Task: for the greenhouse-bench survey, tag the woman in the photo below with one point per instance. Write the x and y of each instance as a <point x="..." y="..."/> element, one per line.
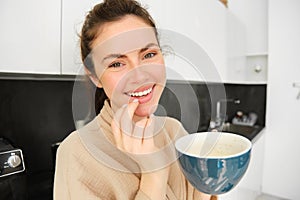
<point x="125" y="152"/>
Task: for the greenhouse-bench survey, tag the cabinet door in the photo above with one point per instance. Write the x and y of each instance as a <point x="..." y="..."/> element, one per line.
<point x="73" y="15"/>
<point x="254" y="15"/>
<point x="30" y="36"/>
<point x="204" y="22"/>
<point x="282" y="161"/>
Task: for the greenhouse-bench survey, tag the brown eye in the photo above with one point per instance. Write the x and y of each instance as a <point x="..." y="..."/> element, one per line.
<point x="149" y="55"/>
<point x="115" y="65"/>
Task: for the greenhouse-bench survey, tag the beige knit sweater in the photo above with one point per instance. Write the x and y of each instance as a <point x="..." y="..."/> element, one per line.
<point x="90" y="167"/>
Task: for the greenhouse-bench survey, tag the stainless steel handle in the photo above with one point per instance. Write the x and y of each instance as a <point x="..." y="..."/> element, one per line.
<point x="297" y="85"/>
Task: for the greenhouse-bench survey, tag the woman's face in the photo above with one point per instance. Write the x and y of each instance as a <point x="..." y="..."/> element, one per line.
<point x="129" y="64"/>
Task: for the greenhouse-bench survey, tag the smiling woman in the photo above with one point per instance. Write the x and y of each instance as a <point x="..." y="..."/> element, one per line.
<point x="125" y="152"/>
<point x="124" y="65"/>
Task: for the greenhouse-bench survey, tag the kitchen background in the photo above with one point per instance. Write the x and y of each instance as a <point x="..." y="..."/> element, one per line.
<point x="253" y="44"/>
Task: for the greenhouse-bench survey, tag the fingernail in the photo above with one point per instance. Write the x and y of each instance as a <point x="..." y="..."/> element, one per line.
<point x="135" y="100"/>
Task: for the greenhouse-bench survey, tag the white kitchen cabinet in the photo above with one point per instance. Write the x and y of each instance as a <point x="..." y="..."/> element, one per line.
<point x="204" y="22"/>
<point x="253" y="14"/>
<point x="236" y="70"/>
<point x="217" y="30"/>
<point x="73" y="15"/>
<point x="42" y="37"/>
<point x="282" y="161"/>
<point x="30" y="36"/>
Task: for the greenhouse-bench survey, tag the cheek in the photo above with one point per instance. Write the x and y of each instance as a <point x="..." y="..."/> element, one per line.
<point x="112" y="85"/>
<point x="109" y="85"/>
<point x="159" y="72"/>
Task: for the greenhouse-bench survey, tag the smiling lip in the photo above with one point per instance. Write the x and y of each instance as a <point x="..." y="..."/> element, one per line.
<point x="143" y="94"/>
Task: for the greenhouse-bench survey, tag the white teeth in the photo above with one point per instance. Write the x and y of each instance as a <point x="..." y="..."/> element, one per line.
<point x="139" y="94"/>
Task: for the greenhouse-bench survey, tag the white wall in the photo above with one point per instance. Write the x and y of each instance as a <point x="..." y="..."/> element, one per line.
<point x="282" y="160"/>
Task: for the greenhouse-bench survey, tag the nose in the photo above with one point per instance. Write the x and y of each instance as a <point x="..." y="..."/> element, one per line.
<point x="138" y="72"/>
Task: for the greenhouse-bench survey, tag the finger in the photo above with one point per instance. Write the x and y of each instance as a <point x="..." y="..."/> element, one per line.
<point x="139" y="128"/>
<point x="149" y="128"/>
<point x="148" y="135"/>
<point x="138" y="135"/>
<point x="116" y="127"/>
<point x="132" y="106"/>
<point x="126" y="120"/>
<point x="127" y="126"/>
<point x="123" y="121"/>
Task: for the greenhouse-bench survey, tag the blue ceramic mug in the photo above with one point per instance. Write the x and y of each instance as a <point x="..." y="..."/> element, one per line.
<point x="213" y="162"/>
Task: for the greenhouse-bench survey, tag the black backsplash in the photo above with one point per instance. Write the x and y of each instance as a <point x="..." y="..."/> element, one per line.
<point x="252" y="99"/>
<point x="34" y="114"/>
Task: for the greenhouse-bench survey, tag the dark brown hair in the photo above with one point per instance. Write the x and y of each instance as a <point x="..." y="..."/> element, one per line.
<point x="108" y="11"/>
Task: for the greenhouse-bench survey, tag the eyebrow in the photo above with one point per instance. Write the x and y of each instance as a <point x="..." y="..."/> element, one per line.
<point x="117" y="55"/>
<point x="148" y="46"/>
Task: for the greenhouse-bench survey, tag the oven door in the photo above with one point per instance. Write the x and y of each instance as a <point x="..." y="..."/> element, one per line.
<point x="13" y="187"/>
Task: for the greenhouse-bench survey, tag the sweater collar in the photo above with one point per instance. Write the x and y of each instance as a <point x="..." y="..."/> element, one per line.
<point x="105" y="118"/>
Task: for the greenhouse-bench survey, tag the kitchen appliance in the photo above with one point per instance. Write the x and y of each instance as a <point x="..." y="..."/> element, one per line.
<point x="11" y="159"/>
<point x="12" y="176"/>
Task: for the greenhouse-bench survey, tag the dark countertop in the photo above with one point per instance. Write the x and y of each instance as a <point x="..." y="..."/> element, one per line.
<point x="250" y="132"/>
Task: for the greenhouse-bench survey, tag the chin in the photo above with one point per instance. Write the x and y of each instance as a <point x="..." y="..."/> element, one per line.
<point x="145" y="111"/>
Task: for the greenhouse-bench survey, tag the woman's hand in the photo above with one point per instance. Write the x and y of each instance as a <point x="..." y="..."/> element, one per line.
<point x="133" y="137"/>
<point x="137" y="138"/>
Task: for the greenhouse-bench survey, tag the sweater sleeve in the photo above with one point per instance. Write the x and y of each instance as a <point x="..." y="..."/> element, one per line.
<point x="60" y="189"/>
<point x="141" y="196"/>
<point x="66" y="184"/>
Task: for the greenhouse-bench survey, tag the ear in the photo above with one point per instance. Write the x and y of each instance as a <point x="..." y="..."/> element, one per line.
<point x="93" y="78"/>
